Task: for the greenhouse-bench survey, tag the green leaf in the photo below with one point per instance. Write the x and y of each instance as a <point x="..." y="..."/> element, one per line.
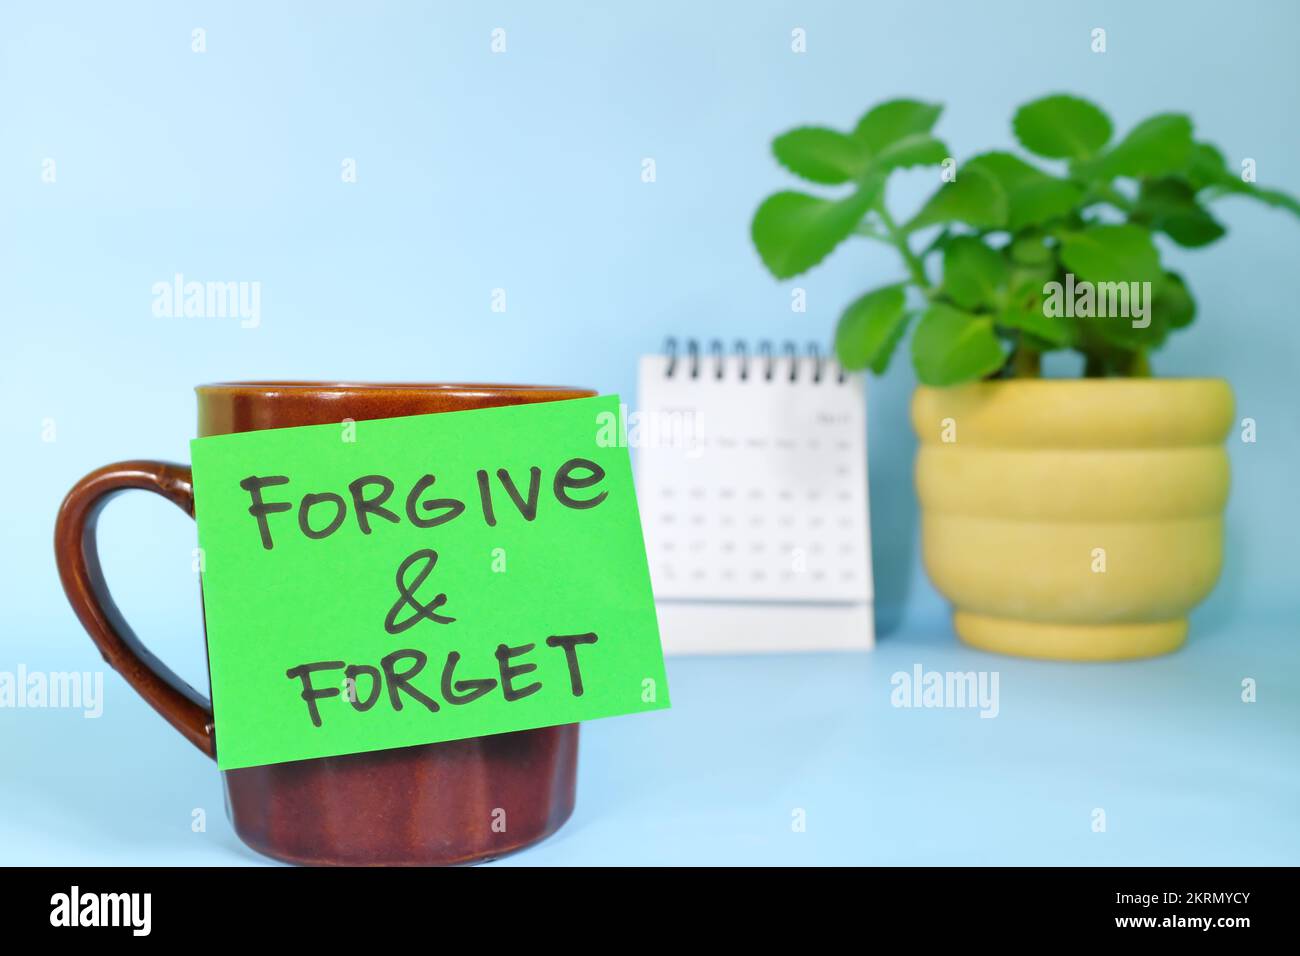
<point x="1040" y="202"/>
<point x="821" y="155"/>
<point x="870" y="329"/>
<point x="973" y="274"/>
<point x="1270" y="197"/>
<point x="794" y="231"/>
<point x="1155" y="147"/>
<point x="1033" y="196"/>
<point x="1049" y="331"/>
<point x="1205" y="166"/>
<point x="950" y="347"/>
<point x="1009" y="169"/>
<point x="887" y="123"/>
<point x="1061" y="127"/>
<point x="1030" y="250"/>
<point x="1169" y="205"/>
<point x="1105" y="313"/>
<point x="1174" y="305"/>
<point x="1119" y="332"/>
<point x="975" y="197"/>
<point x="881" y="364"/>
<point x="1111" y="254"/>
<point x="916" y="149"/>
<point x="1026" y="310"/>
<point x="1273" y="197"/>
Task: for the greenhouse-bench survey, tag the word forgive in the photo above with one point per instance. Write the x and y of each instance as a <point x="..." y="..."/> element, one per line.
<point x="369" y="496"/>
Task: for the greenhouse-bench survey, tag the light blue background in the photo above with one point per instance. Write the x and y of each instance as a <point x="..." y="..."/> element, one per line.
<point x="522" y="171"/>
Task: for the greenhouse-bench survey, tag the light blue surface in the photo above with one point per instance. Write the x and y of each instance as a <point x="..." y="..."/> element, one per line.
<point x="522" y="171"/>
<point x="1185" y="772"/>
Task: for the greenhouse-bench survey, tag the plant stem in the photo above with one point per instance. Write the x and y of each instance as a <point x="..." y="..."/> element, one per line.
<point x="863" y="229"/>
<point x="914" y="265"/>
<point x="1026" y="363"/>
<point x="1108" y="193"/>
<point x="936" y="243"/>
<point x="1140" y="366"/>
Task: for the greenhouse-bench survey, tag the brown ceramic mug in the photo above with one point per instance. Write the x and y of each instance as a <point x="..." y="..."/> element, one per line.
<point x="425" y="805"/>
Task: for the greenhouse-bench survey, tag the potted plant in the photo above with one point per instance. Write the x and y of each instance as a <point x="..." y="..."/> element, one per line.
<point x="1063" y="518"/>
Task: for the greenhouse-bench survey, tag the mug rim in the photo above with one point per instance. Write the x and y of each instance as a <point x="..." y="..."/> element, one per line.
<point x="290" y="385"/>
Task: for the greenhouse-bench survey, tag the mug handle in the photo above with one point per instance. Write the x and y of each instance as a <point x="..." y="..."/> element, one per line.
<point x="77" y="556"/>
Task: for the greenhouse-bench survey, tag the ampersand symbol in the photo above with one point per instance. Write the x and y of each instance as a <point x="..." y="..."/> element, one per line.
<point x="407" y="598"/>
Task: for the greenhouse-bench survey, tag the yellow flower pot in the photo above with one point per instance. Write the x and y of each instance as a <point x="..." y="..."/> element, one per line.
<point x="1073" y="519"/>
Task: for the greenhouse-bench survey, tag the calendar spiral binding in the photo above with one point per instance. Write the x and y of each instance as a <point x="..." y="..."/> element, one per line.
<point x="689" y="361"/>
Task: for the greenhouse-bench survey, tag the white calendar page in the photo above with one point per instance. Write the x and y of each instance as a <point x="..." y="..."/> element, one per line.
<point x="752" y="485"/>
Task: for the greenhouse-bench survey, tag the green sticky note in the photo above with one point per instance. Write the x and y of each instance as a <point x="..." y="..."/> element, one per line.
<point x="410" y="580"/>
